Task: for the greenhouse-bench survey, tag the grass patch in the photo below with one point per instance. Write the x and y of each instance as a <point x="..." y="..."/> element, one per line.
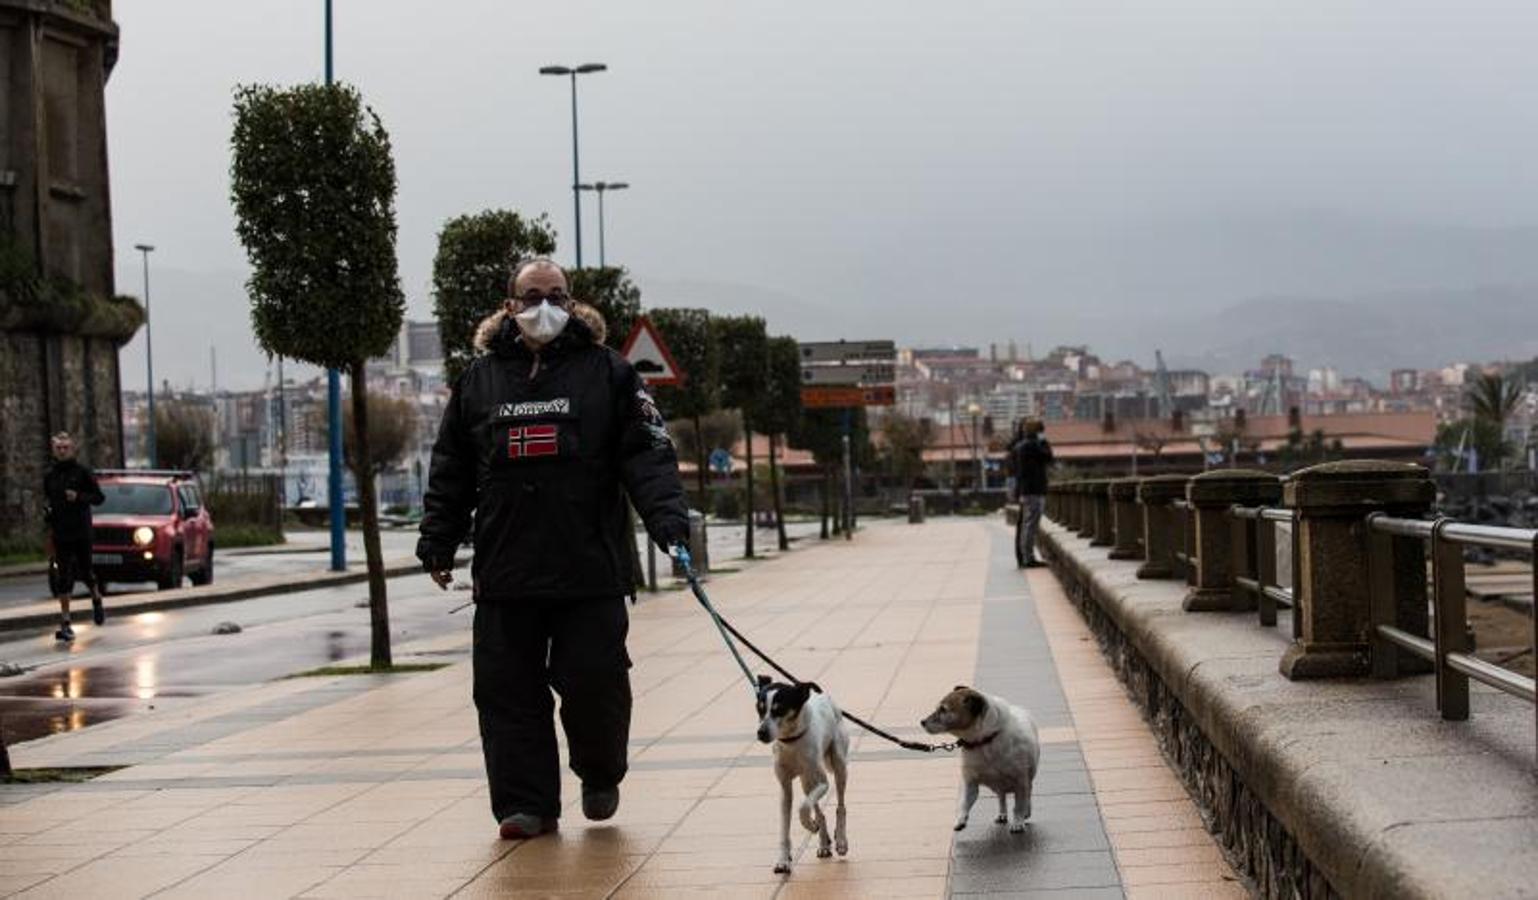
<point x="229" y="537"/>
<point x="22" y="557"/>
<point x="72" y="775"/>
<point x="365" y="669"/>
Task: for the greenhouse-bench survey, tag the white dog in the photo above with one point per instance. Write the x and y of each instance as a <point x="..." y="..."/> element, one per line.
<point x="807" y="730"/>
<point x="999" y="750"/>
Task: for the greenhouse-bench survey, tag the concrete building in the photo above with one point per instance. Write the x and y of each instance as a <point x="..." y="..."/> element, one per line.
<point x="60" y="322"/>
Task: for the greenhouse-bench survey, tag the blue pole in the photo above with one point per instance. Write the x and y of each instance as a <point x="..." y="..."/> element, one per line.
<point x="334" y="416"/>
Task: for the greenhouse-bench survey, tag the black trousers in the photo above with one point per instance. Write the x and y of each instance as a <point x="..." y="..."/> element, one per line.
<point x="72" y="563"/>
<point x="523" y="650"/>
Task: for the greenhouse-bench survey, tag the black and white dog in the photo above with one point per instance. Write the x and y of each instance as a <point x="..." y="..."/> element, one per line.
<point x="1000" y="750"/>
<point x="807" y="731"/>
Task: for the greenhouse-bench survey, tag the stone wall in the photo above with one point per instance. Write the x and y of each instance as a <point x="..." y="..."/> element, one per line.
<point x="1349" y="787"/>
<point x="60" y="323"/>
<point x="1254" y="839"/>
<point x="52" y="383"/>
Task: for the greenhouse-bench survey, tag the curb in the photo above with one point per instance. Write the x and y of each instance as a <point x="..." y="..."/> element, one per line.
<point x="205" y="596"/>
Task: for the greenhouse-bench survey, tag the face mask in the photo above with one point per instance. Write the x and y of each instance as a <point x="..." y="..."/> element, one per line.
<point x="542" y="323"/>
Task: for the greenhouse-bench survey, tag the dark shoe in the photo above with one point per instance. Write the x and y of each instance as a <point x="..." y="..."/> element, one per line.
<point x="522" y="826"/>
<point x="599" y="803"/>
<point x="65" y="633"/>
<point x="1035" y="564"/>
<point x="98" y="612"/>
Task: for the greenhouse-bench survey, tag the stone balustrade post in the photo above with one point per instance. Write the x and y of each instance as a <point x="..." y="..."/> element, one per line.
<point x="1332" y="592"/>
<point x="1126" y="519"/>
<point x="1100" y="497"/>
<point x="1154" y="495"/>
<point x="1086" y="504"/>
<point x="1211" y="494"/>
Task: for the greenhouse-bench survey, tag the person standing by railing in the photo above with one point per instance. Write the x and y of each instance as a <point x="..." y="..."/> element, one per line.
<point x="1030" y="456"/>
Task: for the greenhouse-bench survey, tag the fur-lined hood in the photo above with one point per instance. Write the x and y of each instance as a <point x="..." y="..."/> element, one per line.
<point x="494" y="323"/>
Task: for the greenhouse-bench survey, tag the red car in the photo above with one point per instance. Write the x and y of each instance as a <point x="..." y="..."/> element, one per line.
<point x="152" y="527"/>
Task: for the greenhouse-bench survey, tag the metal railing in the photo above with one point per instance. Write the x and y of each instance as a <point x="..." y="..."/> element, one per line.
<point x="1447" y="647"/>
<point x="1254" y="559"/>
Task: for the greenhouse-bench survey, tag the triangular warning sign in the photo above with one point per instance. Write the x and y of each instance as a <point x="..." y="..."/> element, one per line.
<point x="645" y="350"/>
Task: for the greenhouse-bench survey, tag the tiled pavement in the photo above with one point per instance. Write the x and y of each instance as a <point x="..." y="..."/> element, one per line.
<point x="362" y="788"/>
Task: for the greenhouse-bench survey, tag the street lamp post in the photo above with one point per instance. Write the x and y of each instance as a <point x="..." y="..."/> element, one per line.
<point x="576" y="177"/>
<point x="149" y="358"/>
<point x="602" y="187"/>
<point x="977" y="460"/>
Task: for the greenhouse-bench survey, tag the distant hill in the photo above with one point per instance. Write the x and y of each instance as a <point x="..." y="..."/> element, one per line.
<point x="1368" y="335"/>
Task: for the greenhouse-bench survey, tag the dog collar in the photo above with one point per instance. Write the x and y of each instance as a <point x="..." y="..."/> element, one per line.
<point x="791" y="740"/>
<point x="973" y="745"/>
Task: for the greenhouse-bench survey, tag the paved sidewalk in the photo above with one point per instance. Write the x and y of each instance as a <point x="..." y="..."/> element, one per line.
<point x="372" y="786"/>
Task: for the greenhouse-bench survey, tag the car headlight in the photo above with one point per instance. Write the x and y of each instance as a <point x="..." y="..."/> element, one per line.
<point x="144" y="536"/>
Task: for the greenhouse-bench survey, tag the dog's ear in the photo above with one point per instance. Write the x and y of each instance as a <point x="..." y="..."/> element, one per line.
<point x="799" y="694"/>
<point x="814" y="686"/>
<point x="976" y="704"/>
<point x="961" y="687"/>
<point x="764" y="681"/>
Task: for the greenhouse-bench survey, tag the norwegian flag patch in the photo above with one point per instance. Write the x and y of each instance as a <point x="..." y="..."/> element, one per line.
<point x="531" y="441"/>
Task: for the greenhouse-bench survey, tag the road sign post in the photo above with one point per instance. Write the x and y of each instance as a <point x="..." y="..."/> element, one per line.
<point x="645" y="350"/>
<point x="846" y="375"/>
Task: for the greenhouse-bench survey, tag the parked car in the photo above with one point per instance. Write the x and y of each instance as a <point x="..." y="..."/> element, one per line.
<point x="152" y="527"/>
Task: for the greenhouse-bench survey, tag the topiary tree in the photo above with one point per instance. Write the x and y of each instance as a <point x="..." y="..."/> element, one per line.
<point x="313" y="184"/>
<point x="610" y="291"/>
<point x="904" y="439"/>
<point x="476" y="256"/>
<point x="392" y="430"/>
<point x="744" y="365"/>
<point x="822" y="432"/>
<point x="184" y="435"/>
<point x="777" y="409"/>
<point x="692" y="341"/>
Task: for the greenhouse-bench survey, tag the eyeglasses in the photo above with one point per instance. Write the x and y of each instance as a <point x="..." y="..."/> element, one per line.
<point x="533" y="298"/>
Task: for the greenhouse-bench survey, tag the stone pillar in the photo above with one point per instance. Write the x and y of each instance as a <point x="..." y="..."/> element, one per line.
<point x="1154" y="495"/>
<point x="1086" y="497"/>
<point x="1100" y="496"/>
<point x="1210" y="495"/>
<point x="1126" y="519"/>
<point x="1332" y="588"/>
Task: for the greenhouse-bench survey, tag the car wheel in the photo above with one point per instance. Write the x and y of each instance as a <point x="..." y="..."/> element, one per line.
<point x="173" y="577"/>
<point x="205" y="572"/>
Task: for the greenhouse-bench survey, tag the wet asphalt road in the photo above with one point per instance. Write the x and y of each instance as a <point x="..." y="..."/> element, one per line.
<point x="147" y="660"/>
<point x="233" y="564"/>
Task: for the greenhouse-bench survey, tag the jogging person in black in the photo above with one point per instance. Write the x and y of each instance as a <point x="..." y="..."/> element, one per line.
<point x="70" y="490"/>
<point x="544" y="436"/>
<point x="1030" y="456"/>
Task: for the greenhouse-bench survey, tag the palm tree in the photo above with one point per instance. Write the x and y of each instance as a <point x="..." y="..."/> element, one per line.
<point x="1493" y="398"/>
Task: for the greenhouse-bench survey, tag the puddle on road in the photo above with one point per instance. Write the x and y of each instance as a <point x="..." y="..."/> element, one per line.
<point x="71" y="698"/>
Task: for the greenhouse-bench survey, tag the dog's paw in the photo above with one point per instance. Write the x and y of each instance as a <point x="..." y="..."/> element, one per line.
<point x="824" y="852"/>
<point x="1000" y="819"/>
<point x="1017" y="828"/>
<point x="782" y="867"/>
<point x="842" y="847"/>
<point x="960" y="825"/>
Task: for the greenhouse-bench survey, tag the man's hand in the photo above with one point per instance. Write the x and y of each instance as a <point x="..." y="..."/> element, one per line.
<point x="70" y="495"/>
<point x="442" y="578"/>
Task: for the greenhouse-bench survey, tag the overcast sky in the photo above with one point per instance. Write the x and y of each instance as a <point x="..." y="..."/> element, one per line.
<point x="939" y="173"/>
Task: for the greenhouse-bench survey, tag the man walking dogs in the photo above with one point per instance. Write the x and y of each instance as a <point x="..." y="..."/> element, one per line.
<point x="71" y="490"/>
<point x="1030" y="456"/>
<point x="544" y="435"/>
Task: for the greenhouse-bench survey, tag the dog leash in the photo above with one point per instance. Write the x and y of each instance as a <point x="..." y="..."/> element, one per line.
<point x="728" y="632"/>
